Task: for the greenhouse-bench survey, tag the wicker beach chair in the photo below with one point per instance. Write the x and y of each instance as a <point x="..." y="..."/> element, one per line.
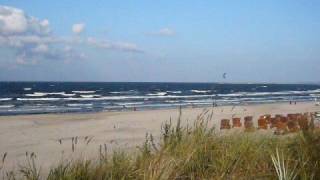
<point x="273" y="122"/>
<point x="262" y="123"/>
<point x="267" y="117"/>
<point x="236" y="122"/>
<point x="281" y="127"/>
<point x="248" y="123"/>
<point x="303" y="122"/>
<point x="292" y="117"/>
<point x="225" y="124"/>
<point x="293" y="125"/>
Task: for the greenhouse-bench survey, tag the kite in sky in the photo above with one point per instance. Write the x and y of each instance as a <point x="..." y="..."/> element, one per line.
<point x="224" y="75"/>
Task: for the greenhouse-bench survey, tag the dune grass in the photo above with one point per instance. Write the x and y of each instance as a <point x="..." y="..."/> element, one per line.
<point x="196" y="152"/>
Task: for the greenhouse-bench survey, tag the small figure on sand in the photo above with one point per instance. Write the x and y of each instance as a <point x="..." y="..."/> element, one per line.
<point x="214" y="104"/>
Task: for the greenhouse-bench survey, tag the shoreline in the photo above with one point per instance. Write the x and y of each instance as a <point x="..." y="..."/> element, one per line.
<point x="50" y="136"/>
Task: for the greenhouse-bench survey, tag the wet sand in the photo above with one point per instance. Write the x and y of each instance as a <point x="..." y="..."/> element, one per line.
<point x="50" y="136"/>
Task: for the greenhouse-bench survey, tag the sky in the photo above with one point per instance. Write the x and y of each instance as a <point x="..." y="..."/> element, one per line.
<point x="160" y="41"/>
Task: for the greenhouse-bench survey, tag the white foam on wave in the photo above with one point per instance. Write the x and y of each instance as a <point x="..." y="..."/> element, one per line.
<point x="161" y="95"/>
<point x="200" y="91"/>
<point x="56" y="93"/>
<point x="314" y="95"/>
<point x="38" y="99"/>
<point x="27" y="89"/>
<point x="41" y="94"/>
<point x="84" y="92"/>
<point x="174" y="92"/>
<point x="68" y="95"/>
<point x="90" y="96"/>
<point x="270" y="93"/>
<point x="162" y="105"/>
<point x="130" y="103"/>
<point x="5" y="99"/>
<point x="157" y="94"/>
<point x="82" y="99"/>
<point x="6" y="106"/>
<point x="123" y="92"/>
<point x="36" y="94"/>
<point x="134" y="97"/>
<point x="171" y="101"/>
<point x="79" y="104"/>
<point x="199" y="101"/>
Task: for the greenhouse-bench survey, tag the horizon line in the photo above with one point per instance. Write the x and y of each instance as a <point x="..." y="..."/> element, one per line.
<point x="182" y="82"/>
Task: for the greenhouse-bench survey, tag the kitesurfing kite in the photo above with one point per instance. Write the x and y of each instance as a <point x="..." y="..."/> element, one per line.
<point x="224" y="75"/>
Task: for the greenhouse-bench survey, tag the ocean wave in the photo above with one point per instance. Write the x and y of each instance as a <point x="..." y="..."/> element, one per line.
<point x="39" y="99"/>
<point x="270" y="93"/>
<point x="56" y="93"/>
<point x="5" y="99"/>
<point x="172" y="101"/>
<point x="78" y="104"/>
<point x="199" y="101"/>
<point x="6" y="106"/>
<point x="163" y="95"/>
<point x="41" y="94"/>
<point x="27" y="89"/>
<point x="130" y="103"/>
<point x="200" y="91"/>
<point x="136" y="97"/>
<point x="84" y="92"/>
<point x="314" y="95"/>
<point x="174" y="92"/>
<point x="68" y="95"/>
<point x="163" y="105"/>
<point x="36" y="94"/>
<point x="90" y="96"/>
<point x="123" y="92"/>
<point x="157" y="94"/>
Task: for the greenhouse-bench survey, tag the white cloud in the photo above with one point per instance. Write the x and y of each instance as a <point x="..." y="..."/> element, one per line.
<point x="32" y="40"/>
<point x="22" y="59"/>
<point x="164" y="32"/>
<point x="41" y="48"/>
<point x="123" y="46"/>
<point x="14" y="21"/>
<point x="78" y="28"/>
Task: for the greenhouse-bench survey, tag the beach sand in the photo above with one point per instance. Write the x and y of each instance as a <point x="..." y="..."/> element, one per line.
<point x="42" y="134"/>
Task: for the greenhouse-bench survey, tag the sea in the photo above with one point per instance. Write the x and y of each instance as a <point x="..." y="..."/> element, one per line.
<point x="82" y="97"/>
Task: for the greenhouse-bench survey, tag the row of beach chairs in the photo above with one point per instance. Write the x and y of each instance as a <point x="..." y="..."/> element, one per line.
<point x="282" y="124"/>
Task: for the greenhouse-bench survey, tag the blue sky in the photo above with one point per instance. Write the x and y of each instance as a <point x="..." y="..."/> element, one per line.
<point x="185" y="41"/>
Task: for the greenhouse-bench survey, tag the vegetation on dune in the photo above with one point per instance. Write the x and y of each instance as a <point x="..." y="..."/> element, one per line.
<point x="197" y="152"/>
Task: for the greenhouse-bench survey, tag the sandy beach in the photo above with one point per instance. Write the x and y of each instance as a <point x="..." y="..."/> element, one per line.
<point x="50" y="136"/>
